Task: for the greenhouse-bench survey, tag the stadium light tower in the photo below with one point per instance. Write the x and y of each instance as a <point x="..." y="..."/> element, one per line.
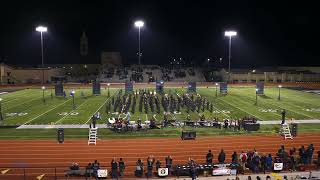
<point x="43" y="88"/>
<point x="139" y="24"/>
<point x="72" y="94"/>
<point x="279" y="87"/>
<point x="256" y="103"/>
<point x="230" y="34"/>
<point x="42" y="29"/>
<point x="1" y="117"/>
<point x="217" y="89"/>
<point x="108" y="89"/>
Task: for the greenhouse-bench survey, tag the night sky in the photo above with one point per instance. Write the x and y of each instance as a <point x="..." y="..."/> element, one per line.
<point x="270" y="33"/>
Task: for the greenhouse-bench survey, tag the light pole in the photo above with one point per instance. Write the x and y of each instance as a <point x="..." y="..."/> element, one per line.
<point x="43" y="88"/>
<point x="108" y="89"/>
<point x="139" y="24"/>
<point x="256" y="97"/>
<point x="217" y="89"/>
<point x="1" y="117"/>
<point x="279" y="87"/>
<point x="73" y="104"/>
<point x="230" y="34"/>
<point x="42" y="29"/>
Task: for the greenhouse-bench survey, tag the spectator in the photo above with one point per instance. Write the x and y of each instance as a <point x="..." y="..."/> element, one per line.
<point x="263" y="161"/>
<point x="258" y="178"/>
<point x="121" y="167"/>
<point x="249" y="178"/>
<point x="150" y="162"/>
<point x="209" y="157"/>
<point x="256" y="163"/>
<point x="139" y="168"/>
<point x="95" y="167"/>
<point x="114" y="168"/>
<point x="268" y="178"/>
<point x="169" y="162"/>
<point x="234" y="157"/>
<point x="221" y="157"/>
<point x="269" y="162"/>
<point x="318" y="161"/>
<point x="89" y="170"/>
<point x="309" y="153"/>
<point x="158" y="165"/>
<point x="303" y="155"/>
<point x="243" y="160"/>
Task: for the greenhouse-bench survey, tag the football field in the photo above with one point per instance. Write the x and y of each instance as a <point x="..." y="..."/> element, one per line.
<point x="26" y="106"/>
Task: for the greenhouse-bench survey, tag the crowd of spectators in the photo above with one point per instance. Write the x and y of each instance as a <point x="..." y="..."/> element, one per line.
<point x="252" y="160"/>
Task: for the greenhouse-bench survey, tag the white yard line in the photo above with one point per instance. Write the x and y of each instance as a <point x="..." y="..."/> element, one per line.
<point x="23" y="103"/>
<point x="97" y="110"/>
<point x="46" y="112"/>
<point x="242" y="109"/>
<point x="222" y="112"/>
<point x="71" y="111"/>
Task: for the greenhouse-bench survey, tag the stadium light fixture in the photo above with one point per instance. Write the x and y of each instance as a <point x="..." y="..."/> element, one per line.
<point x="230" y="34"/>
<point x="1" y="117"/>
<point x="73" y="103"/>
<point x="43" y="88"/>
<point x="42" y="29"/>
<point x="108" y="89"/>
<point x="139" y="24"/>
<point x="216" y="89"/>
<point x="279" y="87"/>
<point x="256" y="96"/>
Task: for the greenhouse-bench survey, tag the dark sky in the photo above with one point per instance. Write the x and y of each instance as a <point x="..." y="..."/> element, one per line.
<point x="270" y="33"/>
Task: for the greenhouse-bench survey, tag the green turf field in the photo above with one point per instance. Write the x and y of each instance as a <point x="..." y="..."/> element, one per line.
<point x="27" y="107"/>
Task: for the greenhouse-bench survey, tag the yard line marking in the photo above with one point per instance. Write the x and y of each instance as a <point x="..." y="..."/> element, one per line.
<point x="71" y="111"/>
<point x="97" y="110"/>
<point x="22" y="103"/>
<point x="241" y="109"/>
<point x="46" y="111"/>
<point x="24" y="94"/>
<point x="242" y="100"/>
<point x="290" y="109"/>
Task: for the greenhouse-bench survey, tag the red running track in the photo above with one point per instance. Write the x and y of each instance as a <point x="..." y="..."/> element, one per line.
<point x="47" y="154"/>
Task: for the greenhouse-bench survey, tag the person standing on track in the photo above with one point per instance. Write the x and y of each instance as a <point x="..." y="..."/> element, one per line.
<point x="221" y="157"/>
<point x="114" y="169"/>
<point x="121" y="167"/>
<point x="209" y="157"/>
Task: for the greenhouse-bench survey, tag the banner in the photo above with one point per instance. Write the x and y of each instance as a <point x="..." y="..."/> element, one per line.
<point x="58" y="89"/>
<point x="128" y="86"/>
<point x="278" y="166"/>
<point x="102" y="173"/>
<point x="159" y="86"/>
<point x="260" y="88"/>
<point x="96" y="90"/>
<point x="162" y="172"/>
<point x="192" y="87"/>
<point x="223" y="88"/>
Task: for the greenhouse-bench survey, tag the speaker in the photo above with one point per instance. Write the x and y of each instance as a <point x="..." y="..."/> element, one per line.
<point x="190" y="135"/>
<point x="294" y="129"/>
<point x="251" y="126"/>
<point x="60" y="135"/>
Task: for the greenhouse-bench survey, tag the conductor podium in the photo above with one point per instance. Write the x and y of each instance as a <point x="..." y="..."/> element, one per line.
<point x="188" y="135"/>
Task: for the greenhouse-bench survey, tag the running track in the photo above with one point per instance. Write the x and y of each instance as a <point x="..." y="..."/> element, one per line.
<point x="29" y="153"/>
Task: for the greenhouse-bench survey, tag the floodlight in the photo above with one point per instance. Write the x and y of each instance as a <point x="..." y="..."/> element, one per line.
<point x="41" y="29"/>
<point x="230" y="33"/>
<point x="139" y="23"/>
